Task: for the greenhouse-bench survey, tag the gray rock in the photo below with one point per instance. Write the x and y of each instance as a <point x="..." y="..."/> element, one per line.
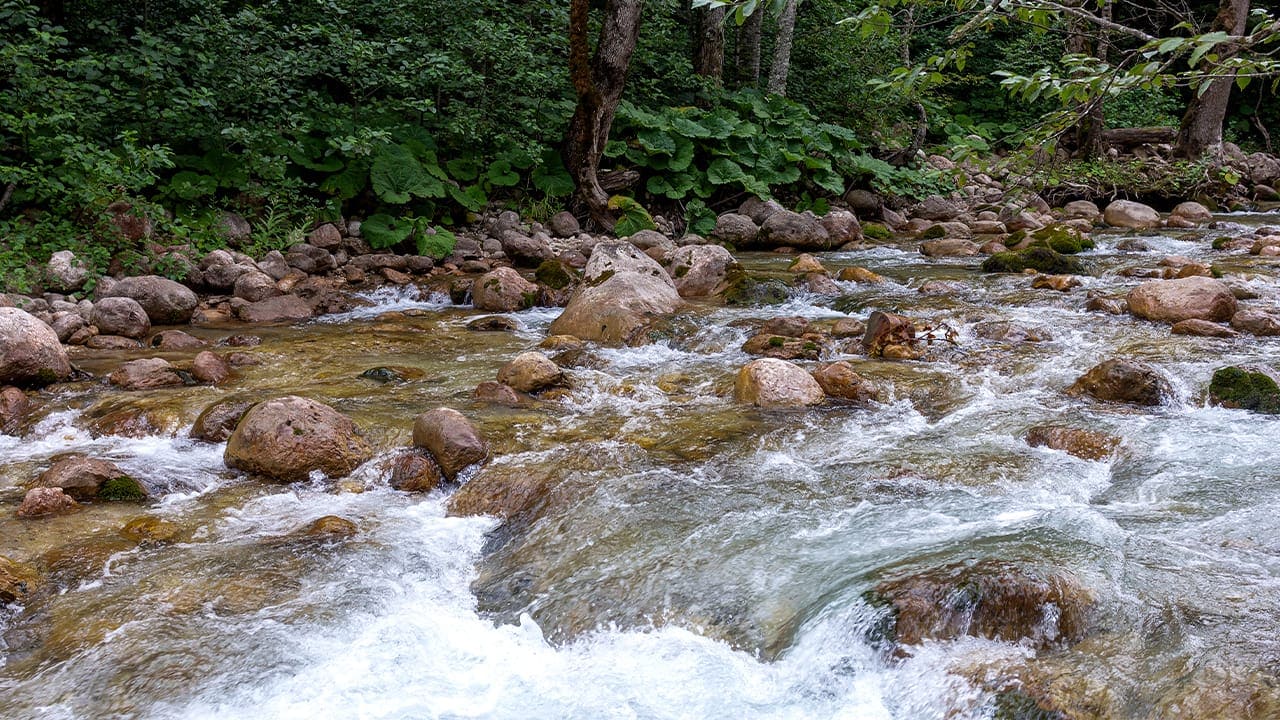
<point x="65" y="272"/>
<point x="121" y="316"/>
<point x="165" y="301"/>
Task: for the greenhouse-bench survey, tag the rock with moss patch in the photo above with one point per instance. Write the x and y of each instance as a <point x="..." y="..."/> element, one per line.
<point x="554" y="274"/>
<point x="503" y="290"/>
<point x="122" y="489"/>
<point x="623" y="292"/>
<point x="1041" y="259"/>
<point x="739" y="288"/>
<point x="288" y="438"/>
<point x="698" y="270"/>
<point x="1245" y="388"/>
<point x="83" y="478"/>
<point x="1062" y="239"/>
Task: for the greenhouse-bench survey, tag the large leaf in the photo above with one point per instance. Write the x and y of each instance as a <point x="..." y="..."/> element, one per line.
<point x="672" y="185"/>
<point x="397" y="176"/>
<point x="632" y="217"/>
<point x="464" y="169"/>
<point x="550" y="176"/>
<point x="657" y="141"/>
<point x="436" y="242"/>
<point x="683" y="156"/>
<point x="348" y="183"/>
<point x="384" y="231"/>
<point x="472" y="197"/>
<point x="723" y="171"/>
<point x="689" y="128"/>
<point x="829" y="180"/>
<point x="501" y="174"/>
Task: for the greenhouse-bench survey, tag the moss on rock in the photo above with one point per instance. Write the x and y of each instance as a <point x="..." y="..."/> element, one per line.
<point x="1062" y="239"/>
<point x="1038" y="258"/>
<point x="1245" y="389"/>
<point x="553" y="274"/>
<point x="876" y="231"/>
<point x="123" y="488"/>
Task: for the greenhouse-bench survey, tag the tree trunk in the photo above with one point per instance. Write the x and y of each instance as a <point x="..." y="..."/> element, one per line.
<point x="746" y="57"/>
<point x="598" y="82"/>
<point x="1091" y="124"/>
<point x="782" y="49"/>
<point x="708" y="51"/>
<point x="1201" y="128"/>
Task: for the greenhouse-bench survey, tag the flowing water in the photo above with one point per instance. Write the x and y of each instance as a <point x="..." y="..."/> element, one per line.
<point x="697" y="559"/>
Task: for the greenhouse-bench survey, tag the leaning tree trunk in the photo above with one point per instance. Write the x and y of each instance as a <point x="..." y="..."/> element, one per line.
<point x="1201" y="128"/>
<point x="598" y="82"/>
<point x="708" y="51"/>
<point x="782" y="49"/>
<point x="746" y="56"/>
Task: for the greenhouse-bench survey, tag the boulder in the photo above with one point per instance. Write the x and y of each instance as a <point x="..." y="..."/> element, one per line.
<point x="217" y="421"/>
<point x="451" y="438"/>
<point x="18" y="581"/>
<point x="864" y="203"/>
<point x="255" y="285"/>
<point x="838" y="380"/>
<point x="145" y="374"/>
<point x="1060" y="283"/>
<point x="773" y="383"/>
<point x="735" y="229"/>
<point x="30" y="354"/>
<point x="1131" y="215"/>
<point x="1246" y="388"/>
<point x="70" y="325"/>
<point x="46" y="501"/>
<point x="121" y="316"/>
<point x="80" y="477"/>
<point x="175" y="340"/>
<point x="413" y="470"/>
<point x="14" y="409"/>
<point x="1172" y="301"/>
<point x="1202" y="328"/>
<point x="65" y="273"/>
<point x="491" y="391"/>
<point x="697" y="270"/>
<point x="165" y="301"/>
<point x="1039" y="258"/>
<point x="623" y="291"/>
<point x="503" y="290"/>
<point x="526" y="250"/>
<point x="530" y="372"/>
<point x="805" y="264"/>
<point x="859" y="275"/>
<point x="937" y="209"/>
<point x="326" y="237"/>
<point x="1082" y="209"/>
<point x="222" y="272"/>
<point x="563" y="225"/>
<point x="1086" y="444"/>
<point x="234" y="228"/>
<point x="1193" y="212"/>
<point x="802" y="231"/>
<point x="948" y="247"/>
<point x="279" y="309"/>
<point x="1256" y="322"/>
<point x="890" y="335"/>
<point x="842" y="227"/>
<point x="1119" y="380"/>
<point x="782" y="347"/>
<point x="209" y="367"/>
<point x="112" y="342"/>
<point x="505" y="492"/>
<point x="759" y="210"/>
<point x="288" y="438"/>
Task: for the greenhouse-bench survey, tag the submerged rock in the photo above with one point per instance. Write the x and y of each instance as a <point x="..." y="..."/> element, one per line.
<point x="1202" y="328"/>
<point x="287" y="438"/>
<point x="30" y="353"/>
<point x="18" y="581"/>
<point x="772" y="383"/>
<point x="451" y="438"/>
<point x="530" y="372"/>
<point x="1086" y="444"/>
<point x="1247" y="388"/>
<point x="1119" y="380"/>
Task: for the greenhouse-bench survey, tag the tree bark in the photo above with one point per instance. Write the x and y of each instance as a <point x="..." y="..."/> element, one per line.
<point x="782" y="49"/>
<point x="708" y="51"/>
<point x="598" y="82"/>
<point x="1089" y="129"/>
<point x="1201" y="128"/>
<point x="746" y="57"/>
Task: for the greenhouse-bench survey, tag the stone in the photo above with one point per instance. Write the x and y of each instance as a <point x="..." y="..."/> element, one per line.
<point x="525" y="250"/>
<point x="697" y="270"/>
<point x="491" y="391"/>
<point x="309" y="259"/>
<point x="493" y="323"/>
<point x="782" y="347"/>
<point x="112" y="342"/>
<point x="413" y="470"/>
<point x="175" y="340"/>
<point x="1060" y="283"/>
<point x="839" y="380"/>
<point x="622" y="293"/>
<point x="451" y="438"/>
<point x="1131" y="215"/>
<point x="937" y="209"/>
<point x="280" y="309"/>
<point x="274" y="265"/>
<point x="18" y="581"/>
<point x="1038" y="258"/>
<point x="759" y="210"/>
<point x="328" y="527"/>
<point x="121" y="316"/>
<point x="255" y="286"/>
<point x="1188" y="298"/>
<point x="801" y="231"/>
<point x="30" y="353"/>
<point x="145" y="374"/>
<point x="217" y="421"/>
<point x="793" y="326"/>
<point x="1248" y="388"/>
<point x="859" y="275"/>
<point x="804" y="264"/>
<point x="563" y="225"/>
<point x="503" y="290"/>
<point x="1082" y="209"/>
<point x="530" y="372"/>
<point x="772" y="383"/>
<point x="46" y="501"/>
<point x="290" y="437"/>
<point x="504" y="492"/>
<point x="649" y="240"/>
<point x="1119" y="380"/>
<point x="222" y="276"/>
<point x="14" y="409"/>
<point x="842" y="227"/>
<point x="67" y="326"/>
<point x="735" y="229"/>
<point x="864" y="203"/>
<point x="1085" y="444"/>
<point x="1193" y="212"/>
<point x="1202" y="328"/>
<point x="234" y="229"/>
<point x="325" y="237"/>
<point x="65" y="273"/>
<point x="889" y="330"/>
<point x="1256" y="322"/>
<point x="166" y="302"/>
<point x="209" y="367"/>
<point x="948" y="247"/>
<point x="147" y="530"/>
<point x="848" y="327"/>
<point x="78" y="476"/>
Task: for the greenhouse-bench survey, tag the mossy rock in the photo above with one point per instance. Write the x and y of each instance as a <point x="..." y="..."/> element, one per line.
<point x="1014" y="705"/>
<point x="1038" y="258"/>
<point x="123" y="489"/>
<point x="1245" y="389"/>
<point x="876" y="231"/>
<point x="554" y="275"/>
<point x="1063" y="239"/>
<point x="1221" y="242"/>
<point x="1015" y="237"/>
<point x="934" y="232"/>
<point x="742" y="289"/>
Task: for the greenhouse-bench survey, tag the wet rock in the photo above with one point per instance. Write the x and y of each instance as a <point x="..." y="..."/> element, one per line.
<point x="1086" y="444"/>
<point x="175" y="340"/>
<point x="1256" y="322"/>
<point x="329" y="527"/>
<point x="1246" y="388"/>
<point x="145" y="374"/>
<point x="15" y="407"/>
<point x="948" y="247"/>
<point x="493" y="323"/>
<point x="821" y="284"/>
<point x="1082" y="209"/>
<point x="698" y="270"/>
<point x="782" y="347"/>
<point x="65" y="273"/>
<point x="1202" y="328"/>
<point x="504" y="492"/>
<point x="1118" y="380"/>
<point x="735" y="229"/>
<point x="772" y="383"/>
<point x="1060" y="283"/>
<point x="623" y="292"/>
<point x="413" y="470"/>
<point x="217" y="421"/>
<point x="802" y="231"/>
<point x="848" y="327"/>
<point x="112" y="342"/>
<point x="280" y="309"/>
<point x="18" y="581"/>
<point x="255" y="286"/>
<point x="1131" y="215"/>
<point x="209" y="367"/>
<point x="503" y="290"/>
<point x="842" y="227"/>
<point x="80" y="477"/>
<point x="1193" y="212"/>
<point x="491" y="391"/>
<point x="147" y="530"/>
<point x="792" y="326"/>
<point x="530" y="372"/>
<point x="890" y="335"/>
<point x="287" y="438"/>
<point x="838" y="380"/>
<point x="166" y="302"/>
<point x="1109" y="305"/>
<point x="859" y="275"/>
<point x="1010" y="332"/>
<point x="1039" y="258"/>
<point x="1189" y="298"/>
<point x="941" y="287"/>
<point x="46" y="501"/>
<point x="1219" y="694"/>
<point x="806" y="263"/>
<point x="451" y="438"/>
<point x="988" y="599"/>
<point x="30" y="353"/>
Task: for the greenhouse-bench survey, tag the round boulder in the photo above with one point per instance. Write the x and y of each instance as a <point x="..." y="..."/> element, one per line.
<point x="165" y="301"/>
<point x="838" y="380"/>
<point x="287" y="438"/>
<point x="503" y="290"/>
<point x="216" y="422"/>
<point x="451" y="439"/>
<point x="121" y="316"/>
<point x="698" y="270"/>
<point x="1127" y="381"/>
<point x="145" y="374"/>
<point x="772" y="383"/>
<point x="530" y="372"/>
<point x="80" y="477"/>
<point x="1131" y="215"/>
<point x="30" y="354"/>
<point x="623" y="291"/>
<point x="46" y="501"/>
<point x="1172" y="301"/>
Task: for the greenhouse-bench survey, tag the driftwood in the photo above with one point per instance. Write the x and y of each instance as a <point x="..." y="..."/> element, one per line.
<point x="1128" y="138"/>
<point x="616" y="180"/>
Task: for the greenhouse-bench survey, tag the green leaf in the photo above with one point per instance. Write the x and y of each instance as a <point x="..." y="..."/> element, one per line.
<point x="397" y="176"/>
<point x="614" y="148"/>
<point x="683" y="157"/>
<point x="384" y="231"/>
<point x="551" y="178"/>
<point x="723" y="171"/>
<point x="501" y="174"/>
<point x="632" y="216"/>
<point x="674" y="186"/>
<point x="472" y="197"/>
<point x="657" y="141"/>
<point x="689" y="128"/>
<point x="348" y="183"/>
<point x="464" y="169"/>
<point x="829" y="180"/>
<point x="699" y="219"/>
<point x="436" y="242"/>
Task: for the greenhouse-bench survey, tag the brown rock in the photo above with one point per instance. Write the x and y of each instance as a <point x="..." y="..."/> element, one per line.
<point x="782" y="347"/>
<point x="735" y="229"/>
<point x="530" y="372"/>
<point x="329" y="527"/>
<point x="848" y="327"/>
<point x="623" y="292"/>
<point x="326" y="236"/>
<point x="209" y="367"/>
<point x="175" y="340"/>
<point x="793" y="326"/>
<point x="1202" y="328"/>
<point x="1256" y="322"/>
<point x="839" y="380"/>
<point x="217" y="421"/>
<point x="1119" y="380"/>
<point x="802" y="231"/>
<point x="1086" y="444"/>
<point x="79" y="476"/>
<point x="497" y="393"/>
<point x="14" y="409"/>
<point x="18" y="581"/>
<point x="30" y="354"/>
<point x="145" y="374"/>
<point x="503" y="290"/>
<point x="255" y="286"/>
<point x="504" y="492"/>
<point x="948" y="247"/>
<point x="451" y="439"/>
<point x="698" y="270"/>
<point x="1131" y="215"/>
<point x="147" y="530"/>
<point x="859" y="275"/>
<point x="121" y="316"/>
<point x="287" y="438"/>
<point x="1061" y="283"/>
<point x="806" y="263"/>
<point x="280" y="309"/>
<point x="112" y="342"/>
<point x="1172" y="301"/>
<point x="165" y="301"/>
<point x="413" y="470"/>
<point x="46" y="501"/>
<point x="1011" y="332"/>
<point x="773" y="383"/>
<point x="885" y="330"/>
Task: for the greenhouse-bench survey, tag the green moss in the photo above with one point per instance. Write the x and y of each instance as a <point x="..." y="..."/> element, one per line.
<point x="529" y="299"/>
<point x="602" y="278"/>
<point x="876" y="231"/>
<point x="1220" y="242"/>
<point x="681" y="271"/>
<point x="1038" y="258"/>
<point x="553" y="274"/>
<point x="934" y="232"/>
<point x="777" y="341"/>
<point x="1063" y="239"/>
<point x="742" y="289"/>
<point x="1236" y="387"/>
<point x="1015" y="237"/>
<point x="1014" y="705"/>
<point x="123" y="488"/>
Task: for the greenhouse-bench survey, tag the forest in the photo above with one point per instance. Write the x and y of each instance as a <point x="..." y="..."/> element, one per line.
<point x="421" y="116"/>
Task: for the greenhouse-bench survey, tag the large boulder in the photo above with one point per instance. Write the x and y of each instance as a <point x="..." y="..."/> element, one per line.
<point x="698" y="270"/>
<point x="30" y="354"/>
<point x="451" y="438"/>
<point x="287" y="438"/>
<point x="938" y="209"/>
<point x="773" y="383"/>
<point x="503" y="290"/>
<point x="121" y="316"/>
<point x="1256" y="322"/>
<point x="842" y="227"/>
<point x="735" y="229"/>
<point x="1172" y="301"/>
<point x="1118" y="380"/>
<point x="166" y="302"/>
<point x="623" y="291"/>
<point x="279" y="309"/>
<point x="1192" y="212"/>
<point x="802" y="231"/>
<point x="1131" y="215"/>
<point x="1246" y="388"/>
<point x="80" y="477"/>
<point x="65" y="272"/>
<point x="145" y="374"/>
